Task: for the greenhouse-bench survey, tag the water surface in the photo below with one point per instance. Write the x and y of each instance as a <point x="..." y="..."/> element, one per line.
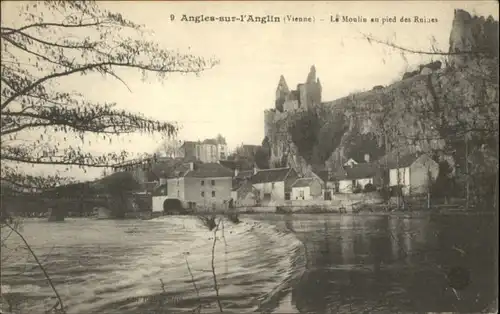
<point x="275" y="263"/>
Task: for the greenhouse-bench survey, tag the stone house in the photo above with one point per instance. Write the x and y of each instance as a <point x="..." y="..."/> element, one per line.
<point x="348" y="179"/>
<point x="208" y="151"/>
<point x="201" y="185"/>
<point x="307" y="189"/>
<point x="243" y="193"/>
<point x="274" y="186"/>
<point x="413" y="172"/>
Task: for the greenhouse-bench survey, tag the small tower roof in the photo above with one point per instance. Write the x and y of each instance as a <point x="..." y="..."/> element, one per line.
<point x="282" y="85"/>
<point x="311" y="77"/>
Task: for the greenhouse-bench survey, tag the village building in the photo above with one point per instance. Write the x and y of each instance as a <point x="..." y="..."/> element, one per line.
<point x="274" y="186"/>
<point x="201" y="185"/>
<point x="307" y="189"/>
<point x="413" y="172"/>
<point x="208" y="151"/>
<point x="243" y="193"/>
<point x="355" y="178"/>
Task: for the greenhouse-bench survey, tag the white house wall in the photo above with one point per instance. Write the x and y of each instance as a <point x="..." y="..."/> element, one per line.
<point x="247" y="200"/>
<point x="345" y="186"/>
<point x="404" y="176"/>
<point x="363" y="182"/>
<point x="158" y="203"/>
<point x="194" y="189"/>
<point x="175" y="188"/>
<point x="423" y="171"/>
<point x="296" y="193"/>
<point x="276" y="189"/>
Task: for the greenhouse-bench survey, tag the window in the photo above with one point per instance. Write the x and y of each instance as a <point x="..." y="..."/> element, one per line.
<point x="202" y="194"/>
<point x="213" y="193"/>
<point x="202" y="182"/>
<point x="301" y="193"/>
<point x="177" y="182"/>
<point x="178" y="194"/>
<point x="213" y="182"/>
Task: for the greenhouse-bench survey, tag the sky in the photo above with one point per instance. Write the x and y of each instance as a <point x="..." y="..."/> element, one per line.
<point x="230" y="99"/>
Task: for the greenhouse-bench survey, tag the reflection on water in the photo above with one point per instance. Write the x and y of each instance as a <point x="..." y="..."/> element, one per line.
<point x="344" y="264"/>
<point x="381" y="264"/>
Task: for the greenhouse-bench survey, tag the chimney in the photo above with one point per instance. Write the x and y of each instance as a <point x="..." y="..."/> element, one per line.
<point x="191" y="166"/>
<point x="236" y="171"/>
<point x="255" y="170"/>
<point x="367" y="157"/>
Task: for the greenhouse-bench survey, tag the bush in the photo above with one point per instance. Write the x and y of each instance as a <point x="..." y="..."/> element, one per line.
<point x="369" y="188"/>
<point x="357" y="190"/>
<point x="208" y="221"/>
<point x="233" y="217"/>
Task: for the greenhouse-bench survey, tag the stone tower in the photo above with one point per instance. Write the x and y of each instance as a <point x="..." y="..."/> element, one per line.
<point x="282" y="91"/>
<point x="311" y="90"/>
<point x="472" y="34"/>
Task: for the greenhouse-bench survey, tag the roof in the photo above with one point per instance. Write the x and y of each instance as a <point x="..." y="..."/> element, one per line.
<point x="404" y="160"/>
<point x="270" y="175"/>
<point x="241" y="178"/>
<point x="250" y="146"/>
<point x="244" y="174"/>
<point x="210" y="141"/>
<point x="164" y="168"/>
<point x="208" y="170"/>
<point x="150" y="186"/>
<point x="188" y="143"/>
<point x="359" y="171"/>
<point x="303" y="182"/>
<point x="158" y="190"/>
<point x="244" y="189"/>
<point x="322" y="174"/>
<point x="230" y="164"/>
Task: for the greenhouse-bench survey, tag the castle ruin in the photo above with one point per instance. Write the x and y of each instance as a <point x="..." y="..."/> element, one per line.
<point x="306" y="95"/>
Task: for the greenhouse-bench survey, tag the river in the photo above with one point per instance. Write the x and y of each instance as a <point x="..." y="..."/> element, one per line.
<point x="266" y="263"/>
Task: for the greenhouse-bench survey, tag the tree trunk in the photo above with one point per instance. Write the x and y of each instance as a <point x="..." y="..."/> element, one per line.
<point x="467" y="186"/>
<point x="398" y="180"/>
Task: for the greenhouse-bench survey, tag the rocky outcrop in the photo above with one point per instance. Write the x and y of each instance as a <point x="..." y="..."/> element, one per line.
<point x="412" y="114"/>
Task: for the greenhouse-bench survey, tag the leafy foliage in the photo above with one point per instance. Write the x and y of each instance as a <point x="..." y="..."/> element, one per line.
<point x="57" y="40"/>
<point x="317" y="133"/>
<point x="120" y="182"/>
<point x="263" y="154"/>
<point x="304" y="131"/>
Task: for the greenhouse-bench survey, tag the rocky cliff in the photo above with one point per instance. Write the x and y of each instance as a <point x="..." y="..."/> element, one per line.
<point x="421" y="112"/>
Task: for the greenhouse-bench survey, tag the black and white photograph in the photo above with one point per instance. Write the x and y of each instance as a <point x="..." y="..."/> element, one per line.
<point x="267" y="157"/>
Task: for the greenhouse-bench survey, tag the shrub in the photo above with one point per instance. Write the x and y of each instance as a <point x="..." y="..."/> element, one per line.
<point x="233" y="217"/>
<point x="357" y="190"/>
<point x="369" y="188"/>
<point x="208" y="221"/>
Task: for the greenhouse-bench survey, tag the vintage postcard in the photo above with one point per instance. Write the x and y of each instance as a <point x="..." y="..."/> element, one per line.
<point x="249" y="157"/>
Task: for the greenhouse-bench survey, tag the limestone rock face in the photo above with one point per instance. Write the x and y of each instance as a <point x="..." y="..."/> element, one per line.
<point x="412" y="114"/>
